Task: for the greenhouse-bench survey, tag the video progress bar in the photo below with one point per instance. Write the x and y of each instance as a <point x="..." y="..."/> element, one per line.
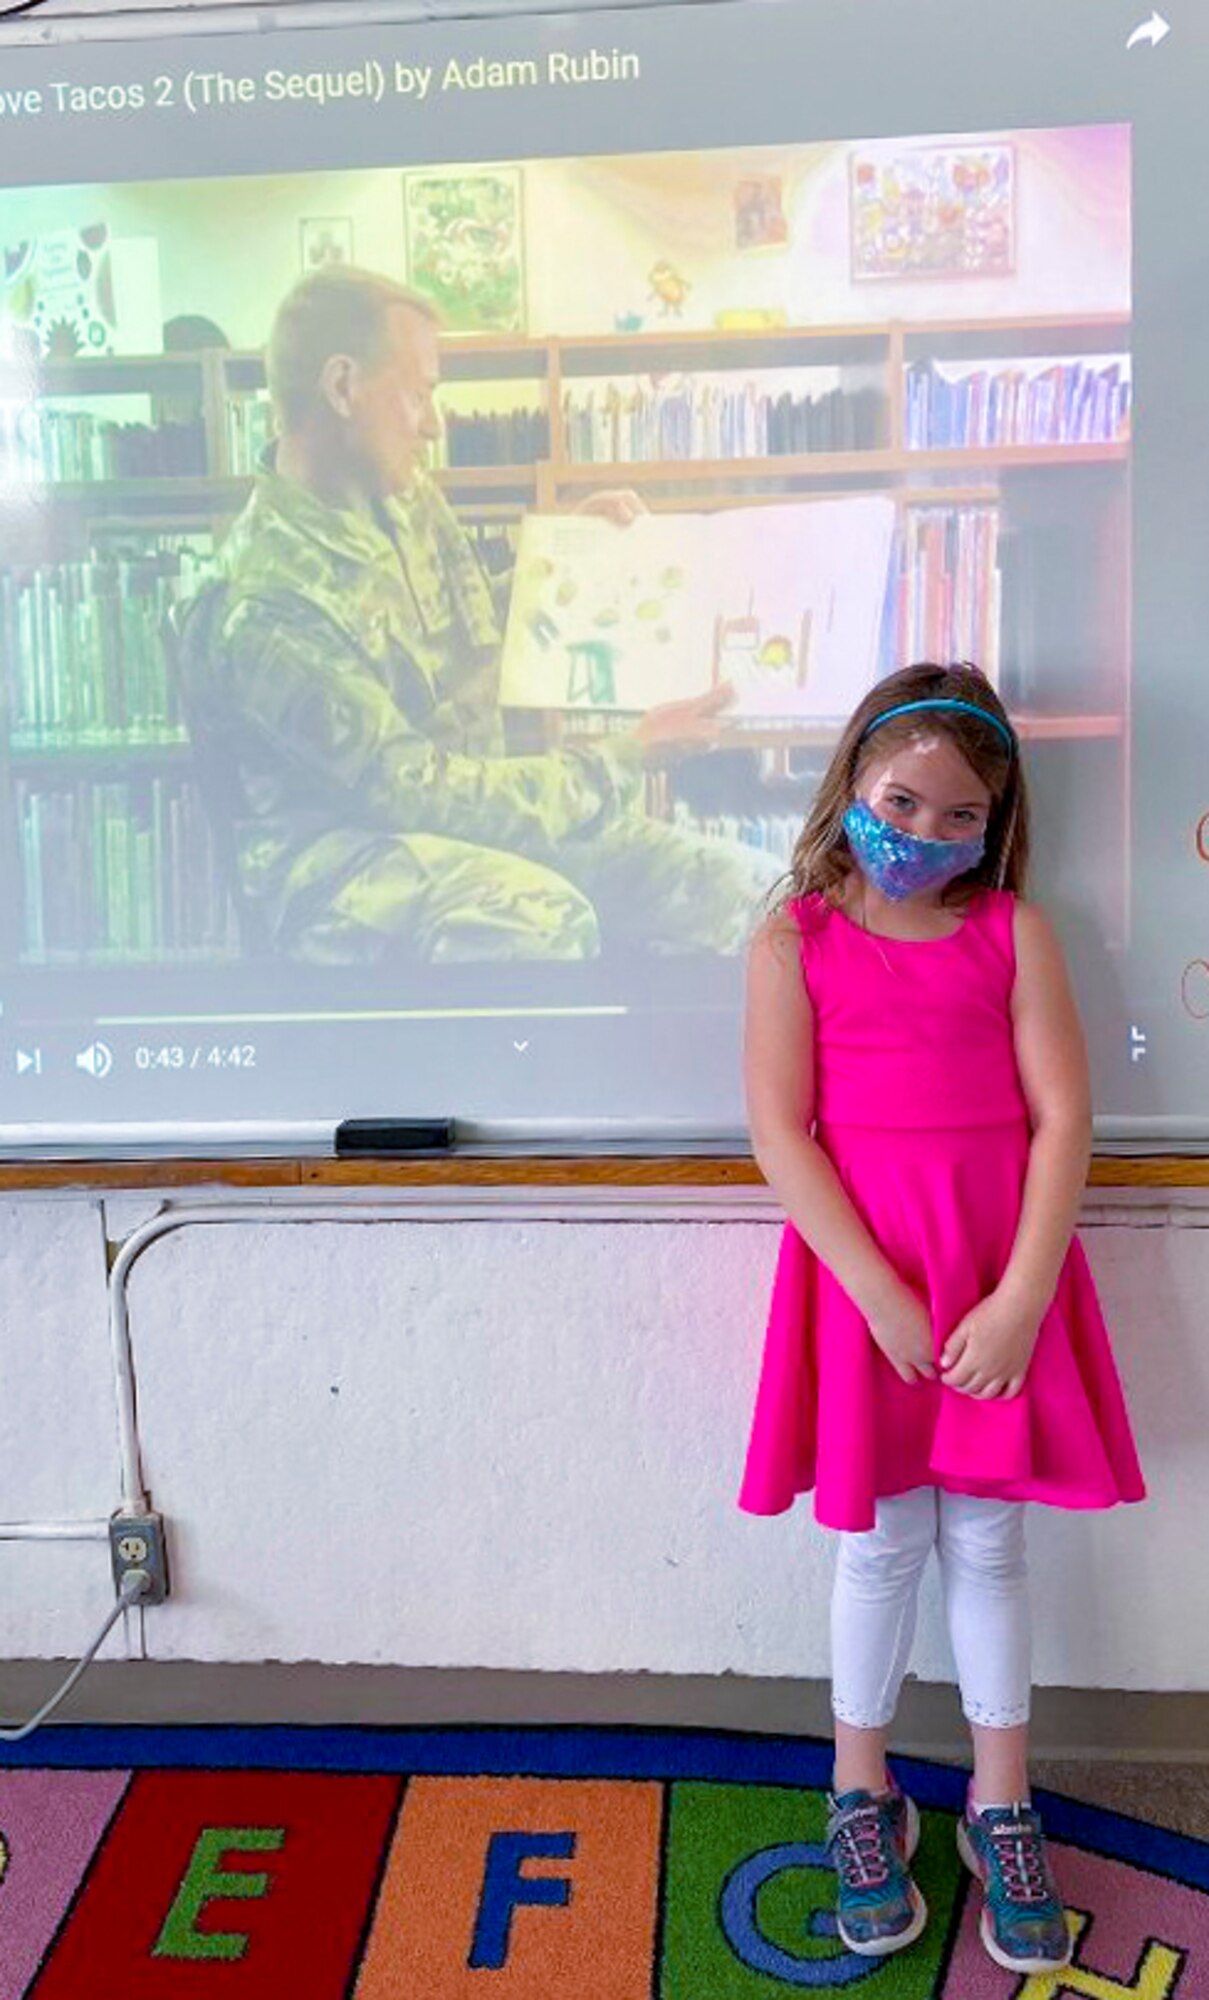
<point x="359" y="1014"/>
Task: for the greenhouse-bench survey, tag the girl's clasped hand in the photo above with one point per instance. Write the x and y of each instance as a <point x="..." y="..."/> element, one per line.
<point x="989" y="1350"/>
<point x="903" y="1331"/>
<point x="987" y="1354"/>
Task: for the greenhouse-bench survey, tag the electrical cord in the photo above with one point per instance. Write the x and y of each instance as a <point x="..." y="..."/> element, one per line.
<point x="23" y="7"/>
<point x="135" y="1584"/>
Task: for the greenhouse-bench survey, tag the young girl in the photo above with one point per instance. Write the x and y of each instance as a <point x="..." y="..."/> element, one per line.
<point x="936" y="1356"/>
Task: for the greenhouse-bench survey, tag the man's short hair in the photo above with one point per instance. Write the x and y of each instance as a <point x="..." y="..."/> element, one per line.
<point x="337" y="310"/>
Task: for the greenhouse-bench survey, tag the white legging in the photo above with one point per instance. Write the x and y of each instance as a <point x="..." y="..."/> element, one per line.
<point x="980" y="1547"/>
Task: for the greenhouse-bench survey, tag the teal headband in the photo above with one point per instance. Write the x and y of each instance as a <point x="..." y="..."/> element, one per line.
<point x="942" y="701"/>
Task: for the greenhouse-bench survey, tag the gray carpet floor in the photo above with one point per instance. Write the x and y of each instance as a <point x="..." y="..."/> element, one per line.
<point x="1131" y="1750"/>
<point x="1172" y="1795"/>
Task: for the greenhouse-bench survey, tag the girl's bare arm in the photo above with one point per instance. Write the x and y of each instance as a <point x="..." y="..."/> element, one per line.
<point x="1051" y="1055"/>
<point x="779" y="1078"/>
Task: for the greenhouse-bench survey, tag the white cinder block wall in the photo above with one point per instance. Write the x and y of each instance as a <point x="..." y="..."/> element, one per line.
<point x="514" y="1443"/>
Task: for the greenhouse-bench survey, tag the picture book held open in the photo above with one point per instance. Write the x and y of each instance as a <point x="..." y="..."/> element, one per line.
<point x="783" y="602"/>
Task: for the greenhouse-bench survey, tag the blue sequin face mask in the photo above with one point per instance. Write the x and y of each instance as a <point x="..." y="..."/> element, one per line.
<point x="902" y="864"/>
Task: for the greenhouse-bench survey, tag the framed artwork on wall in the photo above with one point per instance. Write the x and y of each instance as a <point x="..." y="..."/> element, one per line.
<point x="933" y="212"/>
<point x="465" y="247"/>
<point x="760" y="220"/>
<point x="81" y="291"/>
<point x="325" y="239"/>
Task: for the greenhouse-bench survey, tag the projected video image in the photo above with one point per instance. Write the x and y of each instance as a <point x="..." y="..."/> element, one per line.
<point x="415" y="568"/>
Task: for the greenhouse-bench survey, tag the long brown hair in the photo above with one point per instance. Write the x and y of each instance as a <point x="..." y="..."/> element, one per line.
<point x="822" y="859"/>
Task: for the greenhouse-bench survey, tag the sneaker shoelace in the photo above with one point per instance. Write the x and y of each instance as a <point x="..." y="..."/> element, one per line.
<point x="1020" y="1859"/>
<point x="861" y="1849"/>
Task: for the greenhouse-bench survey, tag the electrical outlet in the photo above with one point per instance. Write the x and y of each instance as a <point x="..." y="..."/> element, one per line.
<point x="136" y="1541"/>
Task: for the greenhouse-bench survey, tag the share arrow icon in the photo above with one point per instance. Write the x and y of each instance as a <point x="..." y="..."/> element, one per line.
<point x="1151" y="31"/>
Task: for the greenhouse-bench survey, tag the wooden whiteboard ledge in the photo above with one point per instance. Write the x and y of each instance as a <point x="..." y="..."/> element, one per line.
<point x="1161" y="1170"/>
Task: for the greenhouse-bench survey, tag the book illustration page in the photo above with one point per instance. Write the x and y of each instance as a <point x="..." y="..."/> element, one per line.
<point x="799" y="592"/>
<point x="607" y="617"/>
<point x="784" y="603"/>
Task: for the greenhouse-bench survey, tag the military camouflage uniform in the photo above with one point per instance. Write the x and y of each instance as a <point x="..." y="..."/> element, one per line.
<point x="351" y="668"/>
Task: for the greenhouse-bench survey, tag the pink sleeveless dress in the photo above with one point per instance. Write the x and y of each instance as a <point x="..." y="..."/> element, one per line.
<point x="919" y="1106"/>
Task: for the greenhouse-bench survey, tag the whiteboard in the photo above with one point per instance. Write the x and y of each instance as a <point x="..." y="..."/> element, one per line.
<point x="688" y="257"/>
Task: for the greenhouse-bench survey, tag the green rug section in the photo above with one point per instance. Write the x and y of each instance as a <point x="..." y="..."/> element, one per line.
<point x="764" y="1845"/>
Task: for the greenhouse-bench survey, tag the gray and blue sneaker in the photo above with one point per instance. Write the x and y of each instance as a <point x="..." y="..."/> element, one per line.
<point x="1023" y="1923"/>
<point x="871" y="1837"/>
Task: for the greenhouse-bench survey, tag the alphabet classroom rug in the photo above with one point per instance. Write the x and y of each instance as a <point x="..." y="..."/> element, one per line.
<point x="291" y="1863"/>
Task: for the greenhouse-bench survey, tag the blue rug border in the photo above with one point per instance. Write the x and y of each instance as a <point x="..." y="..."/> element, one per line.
<point x="557" y="1750"/>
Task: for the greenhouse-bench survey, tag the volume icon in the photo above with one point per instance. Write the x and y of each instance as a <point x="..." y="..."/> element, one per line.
<point x="97" y="1059"/>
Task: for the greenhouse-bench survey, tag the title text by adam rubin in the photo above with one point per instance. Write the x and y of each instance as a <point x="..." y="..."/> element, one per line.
<point x="557" y="66"/>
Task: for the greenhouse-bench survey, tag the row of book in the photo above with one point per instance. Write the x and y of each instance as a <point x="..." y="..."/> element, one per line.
<point x="645" y="422"/>
<point x="509" y="437"/>
<point x="116" y="872"/>
<point x="82" y="650"/>
<point x="40" y="446"/>
<point x="1048" y="403"/>
<point x="1061" y="403"/>
<point x="250" y="431"/>
<point x="774" y="833"/>
<point x="946" y="597"/>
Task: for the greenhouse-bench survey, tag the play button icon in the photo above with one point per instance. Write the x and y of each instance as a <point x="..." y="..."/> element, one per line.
<point x="29" y="1060"/>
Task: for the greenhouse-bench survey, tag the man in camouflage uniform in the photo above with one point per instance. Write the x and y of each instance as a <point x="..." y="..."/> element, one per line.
<point x="348" y="658"/>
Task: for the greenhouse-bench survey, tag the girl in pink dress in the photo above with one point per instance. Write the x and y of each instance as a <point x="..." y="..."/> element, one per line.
<point x="936" y="1356"/>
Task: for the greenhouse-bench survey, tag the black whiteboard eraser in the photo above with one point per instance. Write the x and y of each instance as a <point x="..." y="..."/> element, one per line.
<point x="391" y="1136"/>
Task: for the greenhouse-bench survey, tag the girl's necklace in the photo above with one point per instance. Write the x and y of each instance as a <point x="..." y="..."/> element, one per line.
<point x="873" y="937"/>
